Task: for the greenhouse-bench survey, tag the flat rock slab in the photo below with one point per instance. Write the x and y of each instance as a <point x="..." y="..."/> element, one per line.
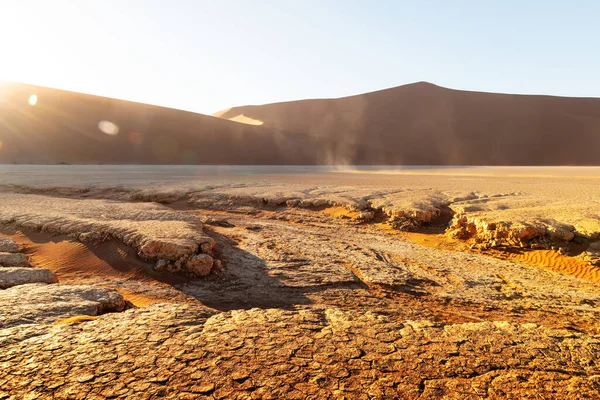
<point x="15" y="276"/>
<point x="45" y="304"/>
<point x="13" y="260"/>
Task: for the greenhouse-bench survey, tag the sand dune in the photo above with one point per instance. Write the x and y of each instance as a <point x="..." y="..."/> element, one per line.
<point x="66" y="127"/>
<point x="423" y="123"/>
<point x="419" y="124"/>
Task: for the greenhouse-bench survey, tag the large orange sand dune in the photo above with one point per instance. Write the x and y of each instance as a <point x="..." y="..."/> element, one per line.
<point x="67" y="127"/>
<point x="416" y="124"/>
<point x="422" y="123"/>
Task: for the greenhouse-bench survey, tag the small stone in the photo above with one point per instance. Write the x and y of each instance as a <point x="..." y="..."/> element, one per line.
<point x="161" y="265"/>
<point x="8" y="245"/>
<point x="207" y="247"/>
<point x="13" y="260"/>
<point x="199" y="265"/>
<point x="366" y="215"/>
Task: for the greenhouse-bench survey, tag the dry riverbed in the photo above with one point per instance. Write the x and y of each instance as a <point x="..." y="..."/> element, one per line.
<point x="140" y="282"/>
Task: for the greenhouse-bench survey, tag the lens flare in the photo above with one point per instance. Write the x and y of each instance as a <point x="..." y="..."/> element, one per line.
<point x="33" y="99"/>
<point x="108" y="127"/>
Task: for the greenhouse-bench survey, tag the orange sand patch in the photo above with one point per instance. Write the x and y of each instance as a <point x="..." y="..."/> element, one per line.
<point x="341" y="212"/>
<point x="546" y="259"/>
<point x="436" y="241"/>
<point x="554" y="261"/>
<point x="109" y="264"/>
<point x="73" y="261"/>
<point x="76" y="319"/>
<point x="76" y="262"/>
<point x="138" y="300"/>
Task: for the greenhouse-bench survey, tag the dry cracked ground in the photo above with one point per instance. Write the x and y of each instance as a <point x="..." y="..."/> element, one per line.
<point x="181" y="282"/>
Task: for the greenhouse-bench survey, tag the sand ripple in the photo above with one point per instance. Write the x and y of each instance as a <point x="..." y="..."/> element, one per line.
<point x="556" y="262"/>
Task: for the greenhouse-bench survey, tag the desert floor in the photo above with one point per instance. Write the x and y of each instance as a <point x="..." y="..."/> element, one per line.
<point x="299" y="282"/>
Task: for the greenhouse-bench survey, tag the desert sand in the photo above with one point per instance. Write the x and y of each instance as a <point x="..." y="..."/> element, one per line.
<point x="260" y="282"/>
<point x="75" y="128"/>
<point x="416" y="124"/>
<point x="426" y="124"/>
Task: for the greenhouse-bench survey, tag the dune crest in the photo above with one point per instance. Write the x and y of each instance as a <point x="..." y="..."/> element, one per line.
<point x="246" y="120"/>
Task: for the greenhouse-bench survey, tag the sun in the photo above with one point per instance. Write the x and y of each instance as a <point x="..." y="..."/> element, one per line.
<point x="33" y="99"/>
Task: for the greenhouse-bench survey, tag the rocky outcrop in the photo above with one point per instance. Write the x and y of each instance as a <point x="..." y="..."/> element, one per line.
<point x="408" y="210"/>
<point x="157" y="232"/>
<point x="488" y="233"/>
<point x="525" y="221"/>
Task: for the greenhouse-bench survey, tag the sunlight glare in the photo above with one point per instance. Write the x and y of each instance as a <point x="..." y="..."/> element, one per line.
<point x="108" y="127"/>
<point x="33" y="99"/>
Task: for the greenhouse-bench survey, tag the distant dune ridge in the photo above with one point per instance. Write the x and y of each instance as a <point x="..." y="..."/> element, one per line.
<point x="415" y="124"/>
<point x="422" y="123"/>
<point x="67" y="127"/>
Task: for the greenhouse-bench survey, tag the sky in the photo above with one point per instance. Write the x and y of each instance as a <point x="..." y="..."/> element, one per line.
<point x="208" y="55"/>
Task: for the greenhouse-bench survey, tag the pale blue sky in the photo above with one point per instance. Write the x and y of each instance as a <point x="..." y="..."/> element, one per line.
<point x="204" y="56"/>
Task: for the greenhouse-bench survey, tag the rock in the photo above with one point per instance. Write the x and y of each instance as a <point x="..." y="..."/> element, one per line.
<point x="199" y="265"/>
<point x="292" y="203"/>
<point x="161" y="265"/>
<point x="366" y="215"/>
<point x="170" y="250"/>
<point x="155" y="231"/>
<point x="526" y="233"/>
<point x="500" y="233"/>
<point x="207" y="247"/>
<point x="560" y="232"/>
<point x="15" y="276"/>
<point x="13" y="260"/>
<point x="592" y="254"/>
<point x="92" y="237"/>
<point x="8" y="245"/>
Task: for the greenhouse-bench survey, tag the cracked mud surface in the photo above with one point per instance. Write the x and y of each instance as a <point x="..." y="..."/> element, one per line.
<point x="313" y="296"/>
